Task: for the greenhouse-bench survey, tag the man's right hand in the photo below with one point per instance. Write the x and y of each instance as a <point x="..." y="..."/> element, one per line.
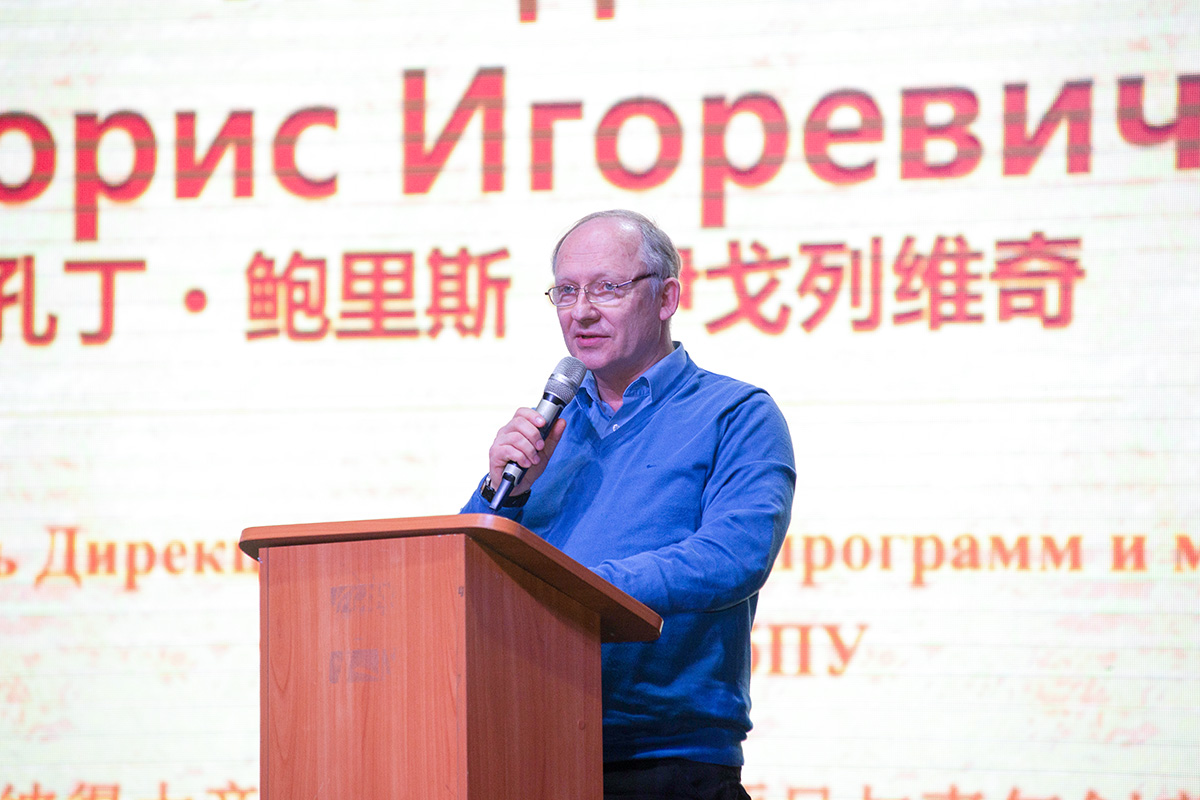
<point x="521" y="441"/>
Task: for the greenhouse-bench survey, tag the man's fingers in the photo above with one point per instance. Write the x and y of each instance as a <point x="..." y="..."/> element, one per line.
<point x="553" y="438"/>
<point x="518" y="441"/>
<point x="532" y="453"/>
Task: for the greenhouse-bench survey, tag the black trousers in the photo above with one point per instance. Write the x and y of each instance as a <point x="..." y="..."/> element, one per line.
<point x="672" y="779"/>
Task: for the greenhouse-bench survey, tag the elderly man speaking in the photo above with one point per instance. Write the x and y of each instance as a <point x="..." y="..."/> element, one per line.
<point x="673" y="483"/>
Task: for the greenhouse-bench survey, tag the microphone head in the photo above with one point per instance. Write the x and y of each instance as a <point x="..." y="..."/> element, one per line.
<point x="564" y="381"/>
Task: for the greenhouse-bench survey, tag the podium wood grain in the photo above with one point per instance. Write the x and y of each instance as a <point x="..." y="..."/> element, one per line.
<point x="428" y="666"/>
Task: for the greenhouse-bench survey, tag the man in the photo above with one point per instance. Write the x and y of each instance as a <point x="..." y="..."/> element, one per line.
<point x="671" y="482"/>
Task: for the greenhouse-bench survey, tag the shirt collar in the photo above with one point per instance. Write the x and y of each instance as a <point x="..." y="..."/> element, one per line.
<point x="652" y="382"/>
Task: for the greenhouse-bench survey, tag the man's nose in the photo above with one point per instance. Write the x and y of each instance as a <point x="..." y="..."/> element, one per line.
<point x="583" y="308"/>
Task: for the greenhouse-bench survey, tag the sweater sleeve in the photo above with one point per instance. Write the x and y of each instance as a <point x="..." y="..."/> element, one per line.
<point x="746" y="506"/>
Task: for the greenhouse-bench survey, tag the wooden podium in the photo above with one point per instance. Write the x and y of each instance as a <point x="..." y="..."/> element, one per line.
<point x="434" y="657"/>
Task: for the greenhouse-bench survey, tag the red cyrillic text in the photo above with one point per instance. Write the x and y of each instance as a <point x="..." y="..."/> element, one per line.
<point x="134" y="561"/>
<point x="486" y="95"/>
<point x="927" y="554"/>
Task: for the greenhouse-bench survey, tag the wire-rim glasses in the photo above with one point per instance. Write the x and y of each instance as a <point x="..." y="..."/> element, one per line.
<point x="597" y="292"/>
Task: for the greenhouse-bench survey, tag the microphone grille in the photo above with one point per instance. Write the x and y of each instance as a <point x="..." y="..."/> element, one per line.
<point x="564" y="381"/>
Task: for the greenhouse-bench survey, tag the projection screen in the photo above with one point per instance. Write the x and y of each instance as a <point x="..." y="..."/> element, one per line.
<point x="275" y="262"/>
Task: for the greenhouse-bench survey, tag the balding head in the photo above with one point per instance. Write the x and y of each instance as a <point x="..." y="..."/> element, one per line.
<point x="656" y="253"/>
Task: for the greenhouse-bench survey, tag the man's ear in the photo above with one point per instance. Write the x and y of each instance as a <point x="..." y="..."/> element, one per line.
<point x="669" y="299"/>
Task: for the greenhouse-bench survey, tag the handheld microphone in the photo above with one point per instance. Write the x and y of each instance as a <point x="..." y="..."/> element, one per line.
<point x="560" y="390"/>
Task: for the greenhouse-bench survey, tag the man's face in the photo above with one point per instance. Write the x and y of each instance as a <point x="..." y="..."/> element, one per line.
<point x="620" y="340"/>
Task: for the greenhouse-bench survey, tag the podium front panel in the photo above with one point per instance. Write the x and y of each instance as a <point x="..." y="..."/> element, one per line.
<point x="363" y="678"/>
<point x="424" y="667"/>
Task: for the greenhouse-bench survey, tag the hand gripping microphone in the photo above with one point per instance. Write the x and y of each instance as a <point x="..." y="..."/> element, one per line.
<point x="560" y="390"/>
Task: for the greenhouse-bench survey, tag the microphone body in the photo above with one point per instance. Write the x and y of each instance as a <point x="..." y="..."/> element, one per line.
<point x="560" y="390"/>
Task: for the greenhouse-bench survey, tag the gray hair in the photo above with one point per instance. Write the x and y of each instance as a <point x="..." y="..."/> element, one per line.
<point x="656" y="252"/>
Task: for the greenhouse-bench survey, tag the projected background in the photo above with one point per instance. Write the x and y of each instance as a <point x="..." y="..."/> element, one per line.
<point x="267" y="262"/>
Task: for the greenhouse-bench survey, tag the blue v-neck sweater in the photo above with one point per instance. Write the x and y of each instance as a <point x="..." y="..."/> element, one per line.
<point x="681" y="499"/>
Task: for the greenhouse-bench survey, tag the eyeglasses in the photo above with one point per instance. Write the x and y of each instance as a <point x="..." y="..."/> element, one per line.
<point x="599" y="292"/>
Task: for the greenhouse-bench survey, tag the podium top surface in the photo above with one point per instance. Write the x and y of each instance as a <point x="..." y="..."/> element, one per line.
<point x="622" y="618"/>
